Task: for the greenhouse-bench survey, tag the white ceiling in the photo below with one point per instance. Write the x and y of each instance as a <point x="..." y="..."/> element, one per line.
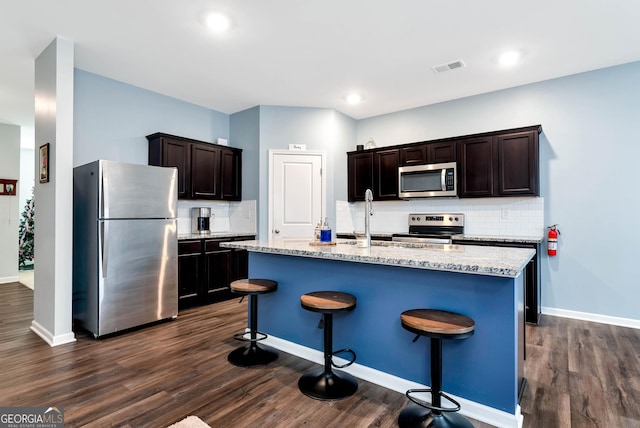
<point x="312" y="53"/>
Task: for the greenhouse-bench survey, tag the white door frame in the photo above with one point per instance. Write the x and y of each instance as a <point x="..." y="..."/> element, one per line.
<point x="323" y="180"/>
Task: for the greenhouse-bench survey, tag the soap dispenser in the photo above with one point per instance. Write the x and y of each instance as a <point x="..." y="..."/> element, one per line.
<point x="325" y="231"/>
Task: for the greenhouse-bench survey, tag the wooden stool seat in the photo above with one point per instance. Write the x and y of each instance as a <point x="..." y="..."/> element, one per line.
<point x="328" y="301"/>
<point x="253" y="286"/>
<point x="436" y="323"/>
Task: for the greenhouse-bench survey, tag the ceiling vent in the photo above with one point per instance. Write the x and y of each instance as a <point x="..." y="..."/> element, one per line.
<point x="449" y="66"/>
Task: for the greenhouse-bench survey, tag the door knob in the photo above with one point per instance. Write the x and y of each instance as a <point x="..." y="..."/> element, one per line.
<point x="276" y="231"/>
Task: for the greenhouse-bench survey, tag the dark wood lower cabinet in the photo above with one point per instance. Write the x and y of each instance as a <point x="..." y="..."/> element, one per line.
<point x="532" y="304"/>
<point x="205" y="271"/>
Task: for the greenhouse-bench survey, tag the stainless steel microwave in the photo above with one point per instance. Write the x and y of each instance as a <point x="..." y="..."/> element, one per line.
<point x="428" y="181"/>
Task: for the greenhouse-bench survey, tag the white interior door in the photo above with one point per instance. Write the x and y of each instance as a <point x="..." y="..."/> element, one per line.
<point x="297" y="193"/>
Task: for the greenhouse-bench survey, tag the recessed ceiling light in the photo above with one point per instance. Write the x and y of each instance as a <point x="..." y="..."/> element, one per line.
<point x="509" y="58"/>
<point x="354" y="98"/>
<point x="218" y="22"/>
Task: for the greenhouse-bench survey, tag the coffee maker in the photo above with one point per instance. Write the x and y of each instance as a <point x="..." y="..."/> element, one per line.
<point x="201" y="220"/>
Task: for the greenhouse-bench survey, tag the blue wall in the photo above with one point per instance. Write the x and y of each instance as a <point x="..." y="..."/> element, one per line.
<point x="588" y="157"/>
<point x="111" y="120"/>
<point x="320" y="129"/>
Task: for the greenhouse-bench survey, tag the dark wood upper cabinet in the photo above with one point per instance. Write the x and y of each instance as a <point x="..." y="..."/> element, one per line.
<point x="425" y="153"/>
<point x="169" y="152"/>
<point x="205" y="176"/>
<point x="490" y="164"/>
<point x="413" y="155"/>
<point x="518" y="164"/>
<point x="231" y="174"/>
<point x="359" y="175"/>
<point x="376" y="170"/>
<point x="385" y="174"/>
<point x="205" y="170"/>
<point x="441" y="152"/>
<point x="500" y="164"/>
<point x="475" y="167"/>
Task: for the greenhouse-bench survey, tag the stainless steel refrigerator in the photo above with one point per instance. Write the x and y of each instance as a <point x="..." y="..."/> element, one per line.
<point x="125" y="251"/>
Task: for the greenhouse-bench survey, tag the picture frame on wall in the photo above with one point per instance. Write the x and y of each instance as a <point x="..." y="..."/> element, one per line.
<point x="44" y="163"/>
<point x="8" y="187"/>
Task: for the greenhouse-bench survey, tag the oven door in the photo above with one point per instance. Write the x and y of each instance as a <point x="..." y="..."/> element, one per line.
<point x="424" y="181"/>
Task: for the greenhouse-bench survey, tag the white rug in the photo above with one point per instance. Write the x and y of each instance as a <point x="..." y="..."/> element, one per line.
<point x="190" y="422"/>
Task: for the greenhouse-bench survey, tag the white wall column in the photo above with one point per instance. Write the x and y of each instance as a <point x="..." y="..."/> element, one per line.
<point x="9" y="205"/>
<point x="53" y="222"/>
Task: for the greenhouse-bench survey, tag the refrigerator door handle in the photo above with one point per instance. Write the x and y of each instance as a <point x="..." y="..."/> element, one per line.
<point x="105" y="191"/>
<point x="104" y="247"/>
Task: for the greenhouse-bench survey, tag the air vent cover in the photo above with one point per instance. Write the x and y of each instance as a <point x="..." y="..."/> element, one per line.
<point x="448" y="66"/>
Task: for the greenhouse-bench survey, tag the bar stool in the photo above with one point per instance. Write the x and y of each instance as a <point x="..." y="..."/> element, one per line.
<point x="252" y="354"/>
<point x="437" y="325"/>
<point x="325" y="383"/>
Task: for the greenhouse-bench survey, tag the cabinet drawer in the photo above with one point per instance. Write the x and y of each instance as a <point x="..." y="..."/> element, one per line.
<point x="189" y="247"/>
<point x="211" y="245"/>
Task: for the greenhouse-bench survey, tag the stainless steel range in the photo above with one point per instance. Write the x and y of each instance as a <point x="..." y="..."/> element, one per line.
<point x="437" y="228"/>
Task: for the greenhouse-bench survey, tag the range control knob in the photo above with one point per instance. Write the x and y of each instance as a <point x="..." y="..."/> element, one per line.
<point x="456" y="218"/>
<point x="413" y="219"/>
<point x="418" y="218"/>
<point x="450" y="218"/>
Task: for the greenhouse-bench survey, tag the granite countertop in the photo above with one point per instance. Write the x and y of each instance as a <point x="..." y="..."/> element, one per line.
<point x="494" y="261"/>
<point x="489" y="238"/>
<point x="214" y="235"/>
<point x="467" y="237"/>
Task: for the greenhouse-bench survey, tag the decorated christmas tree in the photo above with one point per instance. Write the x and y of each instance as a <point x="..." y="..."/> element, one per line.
<point x="26" y="232"/>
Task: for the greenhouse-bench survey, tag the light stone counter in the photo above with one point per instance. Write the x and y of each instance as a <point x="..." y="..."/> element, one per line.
<point x="506" y="239"/>
<point x="214" y="235"/>
<point x="493" y="261"/>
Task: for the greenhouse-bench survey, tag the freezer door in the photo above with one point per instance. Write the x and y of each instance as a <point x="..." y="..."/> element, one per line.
<point x="138" y="273"/>
<point x="137" y="191"/>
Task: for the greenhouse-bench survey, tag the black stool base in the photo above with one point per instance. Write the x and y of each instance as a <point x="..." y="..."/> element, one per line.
<point x="335" y="385"/>
<point x="252" y="355"/>
<point x="414" y="416"/>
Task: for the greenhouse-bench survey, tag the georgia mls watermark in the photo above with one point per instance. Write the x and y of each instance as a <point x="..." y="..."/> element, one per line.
<point x="31" y="417"/>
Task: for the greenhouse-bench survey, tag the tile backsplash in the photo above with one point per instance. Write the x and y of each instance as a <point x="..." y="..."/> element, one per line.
<point x="519" y="216"/>
<point x="233" y="217"/>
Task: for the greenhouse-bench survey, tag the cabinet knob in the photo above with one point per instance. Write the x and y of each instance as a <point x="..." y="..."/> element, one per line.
<point x="276" y="231"/>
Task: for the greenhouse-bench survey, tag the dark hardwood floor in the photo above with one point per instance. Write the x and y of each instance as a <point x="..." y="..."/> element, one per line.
<point x="579" y="374"/>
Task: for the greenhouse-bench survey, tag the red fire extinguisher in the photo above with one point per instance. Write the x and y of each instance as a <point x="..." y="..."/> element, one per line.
<point x="552" y="240"/>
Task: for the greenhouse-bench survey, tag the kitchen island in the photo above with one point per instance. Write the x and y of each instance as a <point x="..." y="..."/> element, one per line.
<point x="485" y="283"/>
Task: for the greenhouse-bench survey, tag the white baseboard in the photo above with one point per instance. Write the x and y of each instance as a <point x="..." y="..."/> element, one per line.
<point x="8" y="279"/>
<point x="586" y="316"/>
<point x="470" y="409"/>
<point x="52" y="340"/>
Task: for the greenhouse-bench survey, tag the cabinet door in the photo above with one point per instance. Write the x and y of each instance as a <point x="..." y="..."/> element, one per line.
<point x="360" y="175"/>
<point x="231" y="174"/>
<point x="476" y="168"/>
<point x="385" y="174"/>
<point x="189" y="273"/>
<point x="218" y="268"/>
<point x="414" y="155"/>
<point x="441" y="152"/>
<point x="240" y="264"/>
<point x="172" y="153"/>
<point x="517" y="156"/>
<point x="205" y="172"/>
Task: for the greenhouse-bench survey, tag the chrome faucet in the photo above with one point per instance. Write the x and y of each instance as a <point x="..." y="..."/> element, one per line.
<point x="368" y="211"/>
